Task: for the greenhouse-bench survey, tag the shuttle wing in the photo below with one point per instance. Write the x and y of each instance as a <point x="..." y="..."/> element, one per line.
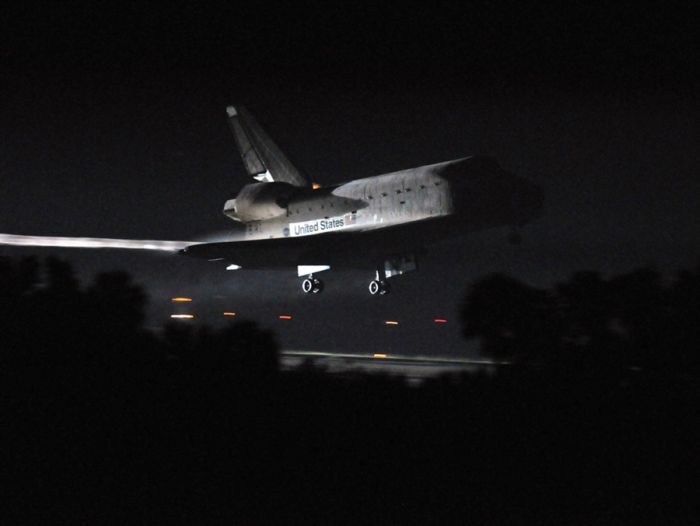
<point x="338" y="250"/>
<point x="93" y="242"/>
<point x="261" y="157"/>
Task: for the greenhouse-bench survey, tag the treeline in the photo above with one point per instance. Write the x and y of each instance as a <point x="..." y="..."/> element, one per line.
<point x="639" y="320"/>
<point x="105" y="423"/>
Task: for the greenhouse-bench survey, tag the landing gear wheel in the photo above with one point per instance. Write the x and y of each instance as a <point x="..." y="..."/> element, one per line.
<point x="378" y="286"/>
<point x="312" y="285"/>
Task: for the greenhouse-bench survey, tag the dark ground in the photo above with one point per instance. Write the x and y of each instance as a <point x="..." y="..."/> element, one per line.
<point x="106" y="424"/>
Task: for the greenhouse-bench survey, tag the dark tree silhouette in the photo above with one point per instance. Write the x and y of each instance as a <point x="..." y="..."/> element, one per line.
<point x="18" y="281"/>
<point x="588" y="323"/>
<point x="105" y="423"/>
<point x="116" y="302"/>
<point x="684" y="321"/>
<point x="514" y="321"/>
<point x="589" y="340"/>
<point x="642" y="312"/>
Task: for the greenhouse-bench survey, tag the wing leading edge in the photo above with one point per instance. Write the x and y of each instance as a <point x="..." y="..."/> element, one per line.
<point x="339" y="250"/>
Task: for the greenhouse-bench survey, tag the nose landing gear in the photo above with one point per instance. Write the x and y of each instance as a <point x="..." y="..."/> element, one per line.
<point x="379" y="285"/>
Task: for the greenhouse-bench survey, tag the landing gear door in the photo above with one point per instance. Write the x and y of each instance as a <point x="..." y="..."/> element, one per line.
<point x="395" y="266"/>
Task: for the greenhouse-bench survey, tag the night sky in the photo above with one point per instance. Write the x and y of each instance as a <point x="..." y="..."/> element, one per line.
<point x="113" y="124"/>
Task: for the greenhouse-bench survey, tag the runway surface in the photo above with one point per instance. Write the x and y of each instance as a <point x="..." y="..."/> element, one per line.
<point x="414" y="369"/>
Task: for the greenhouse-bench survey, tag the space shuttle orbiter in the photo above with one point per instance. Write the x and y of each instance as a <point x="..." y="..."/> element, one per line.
<point x="380" y="222"/>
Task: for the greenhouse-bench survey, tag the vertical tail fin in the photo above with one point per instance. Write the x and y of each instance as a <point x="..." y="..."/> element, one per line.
<point x="261" y="157"/>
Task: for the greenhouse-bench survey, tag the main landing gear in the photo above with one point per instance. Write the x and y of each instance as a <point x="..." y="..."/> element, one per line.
<point x="379" y="285"/>
<point x="311" y="285"/>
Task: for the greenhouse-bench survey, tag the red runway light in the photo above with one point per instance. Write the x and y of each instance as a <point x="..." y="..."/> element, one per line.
<point x="440" y="320"/>
<point x="284" y="317"/>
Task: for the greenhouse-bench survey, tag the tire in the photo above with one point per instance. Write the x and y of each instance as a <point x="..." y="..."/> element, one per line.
<point x="307" y="286"/>
<point x="378" y="287"/>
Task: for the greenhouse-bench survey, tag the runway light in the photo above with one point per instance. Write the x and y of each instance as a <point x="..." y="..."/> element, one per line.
<point x="182" y="316"/>
<point x="440" y="320"/>
<point x="379" y="355"/>
<point x="233" y="267"/>
<point x="180" y="299"/>
<point x="315" y="186"/>
<point x="391" y="322"/>
<point x="284" y="317"/>
<point x="229" y="314"/>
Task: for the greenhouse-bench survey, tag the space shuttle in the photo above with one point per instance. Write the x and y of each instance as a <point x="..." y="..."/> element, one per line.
<point x="383" y="223"/>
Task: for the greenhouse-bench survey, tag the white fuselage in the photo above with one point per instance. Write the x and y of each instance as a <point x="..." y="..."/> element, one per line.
<point x="364" y="204"/>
